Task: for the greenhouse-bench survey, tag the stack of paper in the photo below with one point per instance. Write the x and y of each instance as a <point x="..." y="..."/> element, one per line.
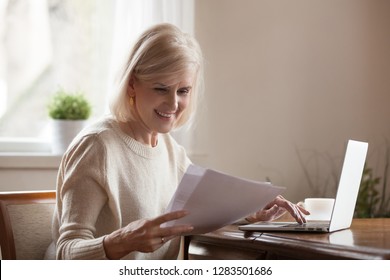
<point x="215" y="199"/>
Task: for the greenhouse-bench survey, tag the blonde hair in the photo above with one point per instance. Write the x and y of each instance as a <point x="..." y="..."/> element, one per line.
<point x="162" y="51"/>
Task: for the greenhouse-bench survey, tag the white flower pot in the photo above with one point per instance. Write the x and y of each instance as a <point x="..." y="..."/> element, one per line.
<point x="63" y="132"/>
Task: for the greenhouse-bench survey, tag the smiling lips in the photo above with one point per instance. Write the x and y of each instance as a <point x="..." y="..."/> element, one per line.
<point x="165" y="115"/>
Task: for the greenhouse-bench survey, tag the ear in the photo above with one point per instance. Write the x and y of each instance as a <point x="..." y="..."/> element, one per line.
<point x="131" y="87"/>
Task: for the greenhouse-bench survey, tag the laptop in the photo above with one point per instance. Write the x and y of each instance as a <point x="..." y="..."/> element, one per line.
<point x="345" y="201"/>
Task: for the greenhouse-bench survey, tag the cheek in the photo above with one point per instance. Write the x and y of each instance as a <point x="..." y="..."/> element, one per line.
<point x="146" y="100"/>
<point x="184" y="103"/>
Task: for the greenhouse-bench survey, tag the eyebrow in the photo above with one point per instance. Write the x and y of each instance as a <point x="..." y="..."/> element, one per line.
<point x="166" y="86"/>
<point x="160" y="84"/>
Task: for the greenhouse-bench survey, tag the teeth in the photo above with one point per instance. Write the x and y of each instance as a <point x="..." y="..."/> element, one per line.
<point x="165" y="115"/>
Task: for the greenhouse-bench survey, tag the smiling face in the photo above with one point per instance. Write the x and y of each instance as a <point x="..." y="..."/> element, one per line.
<point x="160" y="103"/>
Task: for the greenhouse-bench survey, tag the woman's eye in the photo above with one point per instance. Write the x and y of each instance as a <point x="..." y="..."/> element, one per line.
<point x="161" y="90"/>
<point x="183" y="91"/>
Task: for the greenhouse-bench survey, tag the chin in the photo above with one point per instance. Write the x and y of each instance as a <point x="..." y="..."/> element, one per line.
<point x="165" y="131"/>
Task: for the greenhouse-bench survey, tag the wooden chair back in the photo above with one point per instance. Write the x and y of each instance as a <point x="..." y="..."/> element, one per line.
<point x="25" y="224"/>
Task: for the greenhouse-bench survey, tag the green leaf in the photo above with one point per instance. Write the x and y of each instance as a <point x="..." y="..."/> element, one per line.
<point x="69" y="106"/>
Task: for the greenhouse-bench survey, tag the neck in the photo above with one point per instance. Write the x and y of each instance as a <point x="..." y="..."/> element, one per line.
<point x="138" y="132"/>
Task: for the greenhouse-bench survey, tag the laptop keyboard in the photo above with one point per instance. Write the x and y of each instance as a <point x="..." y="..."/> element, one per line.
<point x="307" y="225"/>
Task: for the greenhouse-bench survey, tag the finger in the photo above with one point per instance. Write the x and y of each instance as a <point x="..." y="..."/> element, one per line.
<point x="267" y="214"/>
<point x="166" y="239"/>
<point x="175" y="230"/>
<point x="273" y="210"/>
<point x="298" y="215"/>
<point x="169" y="217"/>
<point x="293" y="209"/>
<point x="162" y="239"/>
<point x="277" y="200"/>
<point x="154" y="244"/>
<point x="302" y="209"/>
<point x="281" y="211"/>
<point x="302" y="212"/>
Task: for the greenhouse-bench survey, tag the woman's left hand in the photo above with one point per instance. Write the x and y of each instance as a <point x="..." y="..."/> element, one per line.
<point x="277" y="208"/>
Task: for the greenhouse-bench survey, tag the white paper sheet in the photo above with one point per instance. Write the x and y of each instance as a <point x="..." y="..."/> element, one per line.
<point x="215" y="199"/>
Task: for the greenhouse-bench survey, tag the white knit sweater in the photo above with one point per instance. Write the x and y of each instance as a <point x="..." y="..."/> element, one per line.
<point x="107" y="180"/>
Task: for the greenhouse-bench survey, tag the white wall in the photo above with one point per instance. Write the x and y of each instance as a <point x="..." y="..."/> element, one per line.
<point x="285" y="75"/>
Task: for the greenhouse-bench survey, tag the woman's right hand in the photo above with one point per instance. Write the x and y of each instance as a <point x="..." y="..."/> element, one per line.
<point x="144" y="235"/>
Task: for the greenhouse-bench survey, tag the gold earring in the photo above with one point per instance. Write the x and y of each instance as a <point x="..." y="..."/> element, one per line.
<point x="131" y="101"/>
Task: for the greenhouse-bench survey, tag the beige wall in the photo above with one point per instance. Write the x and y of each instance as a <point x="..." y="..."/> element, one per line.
<point x="283" y="76"/>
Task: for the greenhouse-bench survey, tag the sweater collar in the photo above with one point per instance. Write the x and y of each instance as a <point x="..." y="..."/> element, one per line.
<point x="137" y="147"/>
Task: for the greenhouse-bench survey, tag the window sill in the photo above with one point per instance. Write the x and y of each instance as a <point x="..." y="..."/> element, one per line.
<point x="29" y="160"/>
<point x="27" y="153"/>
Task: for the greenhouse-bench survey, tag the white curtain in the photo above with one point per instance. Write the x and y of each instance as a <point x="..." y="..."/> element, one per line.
<point x="133" y="17"/>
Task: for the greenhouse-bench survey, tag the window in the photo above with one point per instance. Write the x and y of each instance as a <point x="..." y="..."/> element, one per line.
<point x="72" y="44"/>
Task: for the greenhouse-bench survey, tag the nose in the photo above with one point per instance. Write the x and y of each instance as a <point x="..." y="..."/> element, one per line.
<point x="172" y="101"/>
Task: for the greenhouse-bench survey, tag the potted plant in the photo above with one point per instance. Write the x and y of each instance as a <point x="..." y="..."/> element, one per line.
<point x="69" y="112"/>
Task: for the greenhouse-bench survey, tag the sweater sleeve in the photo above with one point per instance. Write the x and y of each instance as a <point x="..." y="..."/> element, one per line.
<point x="81" y="190"/>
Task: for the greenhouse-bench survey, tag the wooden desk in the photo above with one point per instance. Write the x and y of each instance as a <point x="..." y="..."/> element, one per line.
<point x="366" y="239"/>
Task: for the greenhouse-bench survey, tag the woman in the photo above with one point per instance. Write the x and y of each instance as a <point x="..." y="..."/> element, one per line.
<point x="118" y="175"/>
